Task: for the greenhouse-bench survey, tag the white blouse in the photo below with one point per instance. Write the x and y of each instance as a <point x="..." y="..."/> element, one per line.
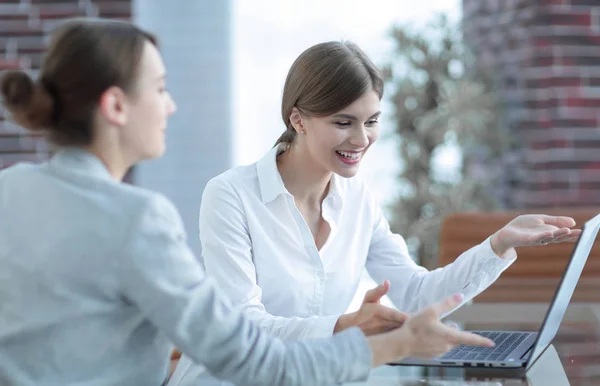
<point x="259" y="249"/>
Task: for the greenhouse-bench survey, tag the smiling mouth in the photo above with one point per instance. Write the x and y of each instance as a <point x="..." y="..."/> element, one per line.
<point x="351" y="156"/>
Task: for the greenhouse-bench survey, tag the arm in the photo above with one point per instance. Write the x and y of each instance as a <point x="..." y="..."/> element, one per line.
<point x="228" y="258"/>
<point x="413" y="287"/>
<point x="162" y="278"/>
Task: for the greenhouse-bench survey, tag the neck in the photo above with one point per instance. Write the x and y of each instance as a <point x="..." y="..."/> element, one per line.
<point x="112" y="158"/>
<point x="302" y="177"/>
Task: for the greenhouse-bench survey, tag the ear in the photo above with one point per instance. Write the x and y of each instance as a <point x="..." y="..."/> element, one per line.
<point x="297" y="120"/>
<point x="113" y="106"/>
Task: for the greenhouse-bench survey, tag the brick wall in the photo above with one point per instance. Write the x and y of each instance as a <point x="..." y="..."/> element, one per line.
<point x="24" y="27"/>
<point x="546" y="55"/>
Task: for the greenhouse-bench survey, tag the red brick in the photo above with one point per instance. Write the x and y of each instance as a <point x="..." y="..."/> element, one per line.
<point x="12" y="64"/>
<point x="11" y="28"/>
<point x="584" y="3"/>
<point x="543" y="61"/>
<point x="551" y="143"/>
<point x="552" y="2"/>
<point x="548" y="185"/>
<point x="577" y="40"/>
<point x="535" y="104"/>
<point x="588" y="144"/>
<point x="558" y="165"/>
<point x="25" y="42"/>
<point x="582" y="102"/>
<point x="114" y="9"/>
<point x="580" y="60"/>
<point x="556" y="81"/>
<point x="565" y="18"/>
<point x="12" y="17"/>
<point x="576" y="123"/>
<point x="591" y="185"/>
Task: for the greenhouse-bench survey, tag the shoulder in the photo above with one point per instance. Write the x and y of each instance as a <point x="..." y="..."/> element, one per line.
<point x="20" y="170"/>
<point x="147" y="204"/>
<point x="237" y="182"/>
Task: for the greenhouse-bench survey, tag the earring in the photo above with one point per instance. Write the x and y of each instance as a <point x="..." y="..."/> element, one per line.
<point x="302" y="132"/>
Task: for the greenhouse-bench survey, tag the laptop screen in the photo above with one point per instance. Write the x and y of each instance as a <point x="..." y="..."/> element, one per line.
<point x="566" y="287"/>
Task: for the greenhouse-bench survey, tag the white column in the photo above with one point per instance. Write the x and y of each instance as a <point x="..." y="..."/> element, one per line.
<point x="195" y="39"/>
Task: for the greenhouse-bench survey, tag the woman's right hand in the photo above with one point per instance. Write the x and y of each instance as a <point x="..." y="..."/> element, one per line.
<point x="423" y="335"/>
<point x="372" y="317"/>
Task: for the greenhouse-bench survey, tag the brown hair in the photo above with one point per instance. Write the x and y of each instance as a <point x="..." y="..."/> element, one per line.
<point x="325" y="79"/>
<point x="84" y="58"/>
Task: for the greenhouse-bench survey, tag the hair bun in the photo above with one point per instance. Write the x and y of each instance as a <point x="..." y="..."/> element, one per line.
<point x="17" y="89"/>
<point x="29" y="103"/>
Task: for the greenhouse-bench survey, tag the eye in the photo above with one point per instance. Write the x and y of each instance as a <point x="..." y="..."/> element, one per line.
<point x="343" y="123"/>
<point x="372" y="122"/>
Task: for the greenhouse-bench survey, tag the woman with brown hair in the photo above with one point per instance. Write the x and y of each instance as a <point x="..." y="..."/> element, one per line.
<point x="96" y="279"/>
<point x="288" y="237"/>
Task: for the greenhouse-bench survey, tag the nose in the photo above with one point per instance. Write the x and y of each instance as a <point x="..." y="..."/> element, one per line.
<point x="359" y="137"/>
<point x="171" y="106"/>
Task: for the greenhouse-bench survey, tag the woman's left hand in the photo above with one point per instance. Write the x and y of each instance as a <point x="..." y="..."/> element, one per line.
<point x="534" y="229"/>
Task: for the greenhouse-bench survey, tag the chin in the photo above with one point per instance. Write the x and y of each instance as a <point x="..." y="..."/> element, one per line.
<point x="152" y="154"/>
<point x="158" y="153"/>
<point x="347" y="173"/>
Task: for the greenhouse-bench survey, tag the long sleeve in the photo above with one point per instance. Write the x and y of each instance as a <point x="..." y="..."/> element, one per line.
<point x="162" y="278"/>
<point x="227" y="257"/>
<point x="414" y="287"/>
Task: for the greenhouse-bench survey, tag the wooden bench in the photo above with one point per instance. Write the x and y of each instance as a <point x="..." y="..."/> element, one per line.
<point x="535" y="274"/>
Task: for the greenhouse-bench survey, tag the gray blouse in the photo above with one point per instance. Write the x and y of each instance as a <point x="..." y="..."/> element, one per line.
<point x="97" y="283"/>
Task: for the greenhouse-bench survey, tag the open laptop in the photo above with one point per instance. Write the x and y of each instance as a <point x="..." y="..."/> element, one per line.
<point x="520" y="349"/>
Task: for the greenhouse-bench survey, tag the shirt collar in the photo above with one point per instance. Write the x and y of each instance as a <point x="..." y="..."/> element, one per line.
<point x="269" y="179"/>
<point x="271" y="184"/>
<point x="81" y="161"/>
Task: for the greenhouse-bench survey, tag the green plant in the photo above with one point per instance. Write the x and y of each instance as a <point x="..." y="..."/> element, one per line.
<point x="442" y="102"/>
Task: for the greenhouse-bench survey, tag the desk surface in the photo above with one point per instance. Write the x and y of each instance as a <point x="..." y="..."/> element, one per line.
<point x="573" y="358"/>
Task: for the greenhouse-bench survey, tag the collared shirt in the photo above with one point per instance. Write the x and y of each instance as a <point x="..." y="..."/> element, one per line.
<point x="259" y="249"/>
<point x="97" y="282"/>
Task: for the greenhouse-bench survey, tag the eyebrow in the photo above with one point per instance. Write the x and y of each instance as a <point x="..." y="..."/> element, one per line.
<point x="352" y="117"/>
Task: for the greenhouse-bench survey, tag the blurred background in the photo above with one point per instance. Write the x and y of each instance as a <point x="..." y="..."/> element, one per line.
<point x="489" y="104"/>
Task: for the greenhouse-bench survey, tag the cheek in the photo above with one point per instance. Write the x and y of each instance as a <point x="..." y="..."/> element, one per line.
<point x="373" y="135"/>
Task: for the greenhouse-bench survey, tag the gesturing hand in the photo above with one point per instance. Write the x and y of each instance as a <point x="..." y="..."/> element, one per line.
<point x="533" y="229"/>
<point x="425" y="336"/>
<point x="372" y="317"/>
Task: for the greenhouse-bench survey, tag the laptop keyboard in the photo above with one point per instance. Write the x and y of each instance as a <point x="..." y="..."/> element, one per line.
<point x="506" y="342"/>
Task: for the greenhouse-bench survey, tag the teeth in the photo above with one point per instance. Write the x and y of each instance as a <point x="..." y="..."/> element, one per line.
<point x="352" y="156"/>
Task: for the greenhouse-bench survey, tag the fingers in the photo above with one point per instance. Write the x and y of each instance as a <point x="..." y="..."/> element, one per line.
<point x="375" y="294"/>
<point x="571" y="237"/>
<point x="558" y="221"/>
<point x="457" y="337"/>
<point x="562" y="235"/>
<point x="542" y="238"/>
<point x="392" y="315"/>
<point x="447" y="305"/>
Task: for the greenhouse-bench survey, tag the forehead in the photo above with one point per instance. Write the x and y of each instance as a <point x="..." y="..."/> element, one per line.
<point x="151" y="63"/>
<point x="367" y="105"/>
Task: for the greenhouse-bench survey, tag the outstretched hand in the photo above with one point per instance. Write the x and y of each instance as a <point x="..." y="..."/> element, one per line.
<point x="534" y="229"/>
<point x="425" y="336"/>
